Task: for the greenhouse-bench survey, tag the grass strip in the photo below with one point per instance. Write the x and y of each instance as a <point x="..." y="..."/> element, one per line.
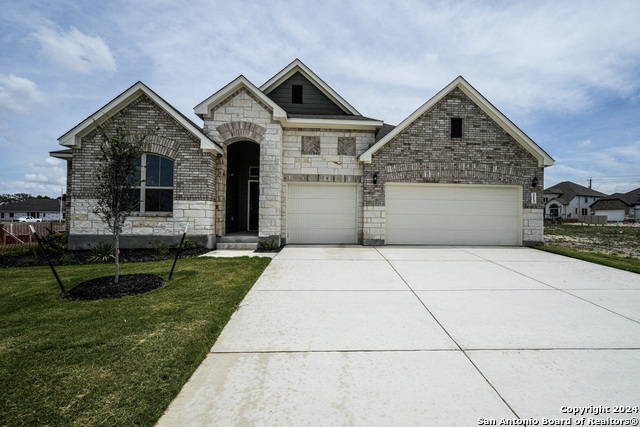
<point x="615" y="261"/>
<point x="110" y="362"/>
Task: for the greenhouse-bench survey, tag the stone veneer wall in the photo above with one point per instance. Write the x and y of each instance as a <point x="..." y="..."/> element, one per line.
<point x="425" y="152"/>
<point x="328" y="165"/>
<point x="242" y="117"/>
<point x="194" y="183"/>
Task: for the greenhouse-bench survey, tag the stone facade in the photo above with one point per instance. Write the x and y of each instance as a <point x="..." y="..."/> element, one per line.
<point x="328" y="165"/>
<point x="240" y="107"/>
<point x="425" y="152"/>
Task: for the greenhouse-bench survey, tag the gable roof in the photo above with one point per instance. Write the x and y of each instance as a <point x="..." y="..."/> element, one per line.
<point x="287" y="120"/>
<point x="297" y="66"/>
<point x="33" y="205"/>
<point x="568" y="190"/>
<point x="241" y="82"/>
<point x="73" y="137"/>
<point x="527" y="143"/>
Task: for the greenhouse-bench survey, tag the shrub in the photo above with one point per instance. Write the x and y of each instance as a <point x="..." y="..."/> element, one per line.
<point x="161" y="247"/>
<point x="20" y="249"/>
<point x="54" y="243"/>
<point x="267" y="245"/>
<point x="188" y="245"/>
<point x="65" y="258"/>
<point x="102" y="251"/>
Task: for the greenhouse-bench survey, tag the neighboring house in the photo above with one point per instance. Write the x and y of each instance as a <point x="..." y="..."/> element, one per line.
<point x="569" y="200"/>
<point x="620" y="206"/>
<point x="294" y="162"/>
<point x="45" y="209"/>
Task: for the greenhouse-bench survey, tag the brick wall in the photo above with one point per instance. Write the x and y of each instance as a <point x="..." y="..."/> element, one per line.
<point x="194" y="177"/>
<point x="424" y="152"/>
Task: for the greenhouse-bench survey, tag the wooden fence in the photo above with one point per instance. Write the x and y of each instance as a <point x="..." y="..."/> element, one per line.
<point x="19" y="232"/>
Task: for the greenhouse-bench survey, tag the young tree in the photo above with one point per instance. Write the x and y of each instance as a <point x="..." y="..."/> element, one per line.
<point x="116" y="177"/>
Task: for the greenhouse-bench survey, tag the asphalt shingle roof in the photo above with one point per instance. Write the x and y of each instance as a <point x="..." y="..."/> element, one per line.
<point x="568" y="190"/>
<point x="33" y="205"/>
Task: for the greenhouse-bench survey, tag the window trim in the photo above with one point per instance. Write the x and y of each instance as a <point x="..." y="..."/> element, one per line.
<point x="142" y="187"/>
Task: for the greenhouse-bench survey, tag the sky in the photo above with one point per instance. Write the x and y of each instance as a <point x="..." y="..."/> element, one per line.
<point x="567" y="73"/>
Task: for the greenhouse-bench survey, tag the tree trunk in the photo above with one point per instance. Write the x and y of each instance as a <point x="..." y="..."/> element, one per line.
<point x="117" y="255"/>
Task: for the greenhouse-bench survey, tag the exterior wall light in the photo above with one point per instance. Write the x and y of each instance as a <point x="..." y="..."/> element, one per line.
<point x="375" y="178"/>
<point x="534" y="182"/>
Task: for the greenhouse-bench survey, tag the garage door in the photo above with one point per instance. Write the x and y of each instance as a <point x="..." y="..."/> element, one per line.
<point x="437" y="214"/>
<point x="612" y="215"/>
<point x="322" y="213"/>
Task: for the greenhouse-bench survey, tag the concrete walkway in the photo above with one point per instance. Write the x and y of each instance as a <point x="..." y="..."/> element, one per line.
<point x="429" y="336"/>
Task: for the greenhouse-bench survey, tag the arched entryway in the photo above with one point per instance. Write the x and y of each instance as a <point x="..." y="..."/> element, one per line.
<point x="243" y="191"/>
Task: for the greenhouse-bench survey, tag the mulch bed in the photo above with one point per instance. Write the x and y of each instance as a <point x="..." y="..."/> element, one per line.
<point x="103" y="287"/>
<point x="84" y="257"/>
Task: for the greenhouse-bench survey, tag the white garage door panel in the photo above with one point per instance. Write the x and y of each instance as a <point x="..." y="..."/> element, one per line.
<point x="612" y="215"/>
<point x="453" y="215"/>
<point x="321" y="213"/>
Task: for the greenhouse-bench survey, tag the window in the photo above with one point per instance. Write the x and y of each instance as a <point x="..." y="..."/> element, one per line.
<point x="254" y="171"/>
<point x="154" y="192"/>
<point x="456" y="127"/>
<point x="586" y="200"/>
<point x="554" y="210"/>
<point x="10" y="214"/>
<point x="296" y="94"/>
<point x="585" y="211"/>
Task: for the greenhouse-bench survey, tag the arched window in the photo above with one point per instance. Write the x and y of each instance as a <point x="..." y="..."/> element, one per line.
<point x="155" y="184"/>
<point x="554" y="211"/>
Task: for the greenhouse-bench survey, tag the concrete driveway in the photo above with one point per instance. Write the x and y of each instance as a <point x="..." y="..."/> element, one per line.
<point x="352" y="335"/>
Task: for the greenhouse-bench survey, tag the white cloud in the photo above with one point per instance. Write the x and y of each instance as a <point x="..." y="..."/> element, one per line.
<point x="613" y="169"/>
<point x="551" y="56"/>
<point x="585" y="143"/>
<point x="49" y="175"/>
<point x="75" y="51"/>
<point x="18" y="95"/>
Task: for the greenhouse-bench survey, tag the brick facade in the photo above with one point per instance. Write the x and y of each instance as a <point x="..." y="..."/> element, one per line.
<point x="194" y="180"/>
<point x="425" y="152"/>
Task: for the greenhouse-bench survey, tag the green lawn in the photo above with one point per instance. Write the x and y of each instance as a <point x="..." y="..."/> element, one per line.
<point x="623" y="263"/>
<point x="110" y="362"/>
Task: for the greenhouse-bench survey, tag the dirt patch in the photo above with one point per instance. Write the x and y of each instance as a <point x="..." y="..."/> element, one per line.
<point x="622" y="241"/>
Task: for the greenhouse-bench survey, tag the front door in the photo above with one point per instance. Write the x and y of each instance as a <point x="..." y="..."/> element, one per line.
<point x="254" y="200"/>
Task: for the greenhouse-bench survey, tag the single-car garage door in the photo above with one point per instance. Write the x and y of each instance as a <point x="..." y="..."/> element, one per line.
<point x="440" y="214"/>
<point x="322" y="213"/>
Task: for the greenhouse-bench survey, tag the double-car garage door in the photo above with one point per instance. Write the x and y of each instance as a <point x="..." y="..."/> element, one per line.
<point x="416" y="214"/>
<point x="439" y="214"/>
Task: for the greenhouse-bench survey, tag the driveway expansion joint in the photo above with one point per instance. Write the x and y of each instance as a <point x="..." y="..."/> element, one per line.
<point x="451" y="337"/>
